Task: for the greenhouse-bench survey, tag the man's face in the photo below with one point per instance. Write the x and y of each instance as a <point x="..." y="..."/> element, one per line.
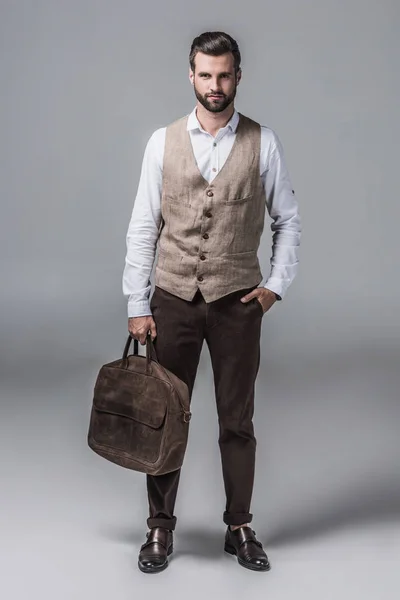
<point x="214" y="81"/>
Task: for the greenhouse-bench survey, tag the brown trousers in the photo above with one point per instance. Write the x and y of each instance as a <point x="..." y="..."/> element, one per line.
<point x="231" y="329"/>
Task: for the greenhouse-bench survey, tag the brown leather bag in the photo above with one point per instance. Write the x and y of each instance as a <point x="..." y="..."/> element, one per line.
<point x="140" y="413"/>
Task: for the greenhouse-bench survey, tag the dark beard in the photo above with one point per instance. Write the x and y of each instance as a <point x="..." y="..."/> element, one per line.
<point x="212" y="106"/>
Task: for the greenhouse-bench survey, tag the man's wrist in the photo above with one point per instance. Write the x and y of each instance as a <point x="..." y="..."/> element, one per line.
<point x="277" y="296"/>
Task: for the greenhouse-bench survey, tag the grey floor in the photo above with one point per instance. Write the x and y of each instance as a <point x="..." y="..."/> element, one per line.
<point x="326" y="499"/>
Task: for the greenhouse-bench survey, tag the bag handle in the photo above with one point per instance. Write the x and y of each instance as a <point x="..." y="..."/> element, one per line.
<point x="150" y="349"/>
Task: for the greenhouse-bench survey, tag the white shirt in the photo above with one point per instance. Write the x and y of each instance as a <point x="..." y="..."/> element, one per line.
<point x="143" y="229"/>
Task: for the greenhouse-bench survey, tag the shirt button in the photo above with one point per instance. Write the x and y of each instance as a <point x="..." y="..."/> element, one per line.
<point x="210" y="193"/>
<point x="208" y="214"/>
<point x="202" y="257"/>
<point x="214" y="144"/>
<point x="200" y="278"/>
<point x="205" y="236"/>
<point x="214" y="169"/>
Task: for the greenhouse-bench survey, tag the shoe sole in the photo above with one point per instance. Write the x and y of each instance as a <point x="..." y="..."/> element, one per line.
<point x="156" y="569"/>
<point x="231" y="550"/>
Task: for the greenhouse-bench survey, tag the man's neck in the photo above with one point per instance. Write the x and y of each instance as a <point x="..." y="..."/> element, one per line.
<point x="212" y="122"/>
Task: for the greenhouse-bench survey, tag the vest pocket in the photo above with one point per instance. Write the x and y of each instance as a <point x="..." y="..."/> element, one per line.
<point x="181" y="200"/>
<point x="239" y="200"/>
<point x="169" y="262"/>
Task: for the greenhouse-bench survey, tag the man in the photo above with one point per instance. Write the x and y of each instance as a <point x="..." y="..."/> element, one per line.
<point x="205" y="183"/>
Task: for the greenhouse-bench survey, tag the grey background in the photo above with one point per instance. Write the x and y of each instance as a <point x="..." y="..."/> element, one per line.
<point x="83" y="86"/>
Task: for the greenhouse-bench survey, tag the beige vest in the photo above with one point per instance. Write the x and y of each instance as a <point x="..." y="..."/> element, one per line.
<point x="210" y="232"/>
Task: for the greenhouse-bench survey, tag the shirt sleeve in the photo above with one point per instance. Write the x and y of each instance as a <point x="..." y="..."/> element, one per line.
<point x="286" y="226"/>
<point x="143" y="232"/>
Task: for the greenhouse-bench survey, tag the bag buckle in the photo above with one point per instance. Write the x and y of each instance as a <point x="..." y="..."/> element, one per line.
<point x="187" y="416"/>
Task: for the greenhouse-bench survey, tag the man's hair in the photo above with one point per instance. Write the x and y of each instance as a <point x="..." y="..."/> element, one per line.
<point x="215" y="43"/>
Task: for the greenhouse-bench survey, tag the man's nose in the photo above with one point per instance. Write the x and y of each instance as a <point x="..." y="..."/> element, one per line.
<point x="215" y="86"/>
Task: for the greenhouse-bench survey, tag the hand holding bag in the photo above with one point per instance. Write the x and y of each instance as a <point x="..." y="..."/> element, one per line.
<point x="140" y="413"/>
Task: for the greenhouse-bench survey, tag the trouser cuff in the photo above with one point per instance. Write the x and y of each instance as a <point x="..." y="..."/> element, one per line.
<point x="161" y="522"/>
<point x="237" y="518"/>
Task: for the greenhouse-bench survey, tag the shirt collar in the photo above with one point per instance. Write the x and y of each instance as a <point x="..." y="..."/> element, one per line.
<point x="193" y="123"/>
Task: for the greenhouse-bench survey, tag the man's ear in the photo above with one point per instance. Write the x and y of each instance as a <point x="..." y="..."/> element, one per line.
<point x="238" y="75"/>
<point x="191" y="76"/>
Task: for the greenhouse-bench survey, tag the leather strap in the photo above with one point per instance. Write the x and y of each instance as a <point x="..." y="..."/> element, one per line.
<point x="157" y="536"/>
<point x="245" y="534"/>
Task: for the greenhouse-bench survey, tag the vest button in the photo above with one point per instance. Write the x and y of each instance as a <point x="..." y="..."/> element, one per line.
<point x="206" y="236"/>
<point x="202" y="257"/>
<point x="200" y="278"/>
<point x="210" y="193"/>
<point x="208" y="214"/>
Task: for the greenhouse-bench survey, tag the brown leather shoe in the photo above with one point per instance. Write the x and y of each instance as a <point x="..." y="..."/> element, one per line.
<point x="153" y="555"/>
<point x="243" y="543"/>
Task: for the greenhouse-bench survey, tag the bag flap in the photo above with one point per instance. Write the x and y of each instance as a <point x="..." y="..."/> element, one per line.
<point x="136" y="396"/>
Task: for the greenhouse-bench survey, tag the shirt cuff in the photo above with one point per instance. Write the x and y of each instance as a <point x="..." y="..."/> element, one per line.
<point x="139" y="309"/>
<point x="276" y="286"/>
